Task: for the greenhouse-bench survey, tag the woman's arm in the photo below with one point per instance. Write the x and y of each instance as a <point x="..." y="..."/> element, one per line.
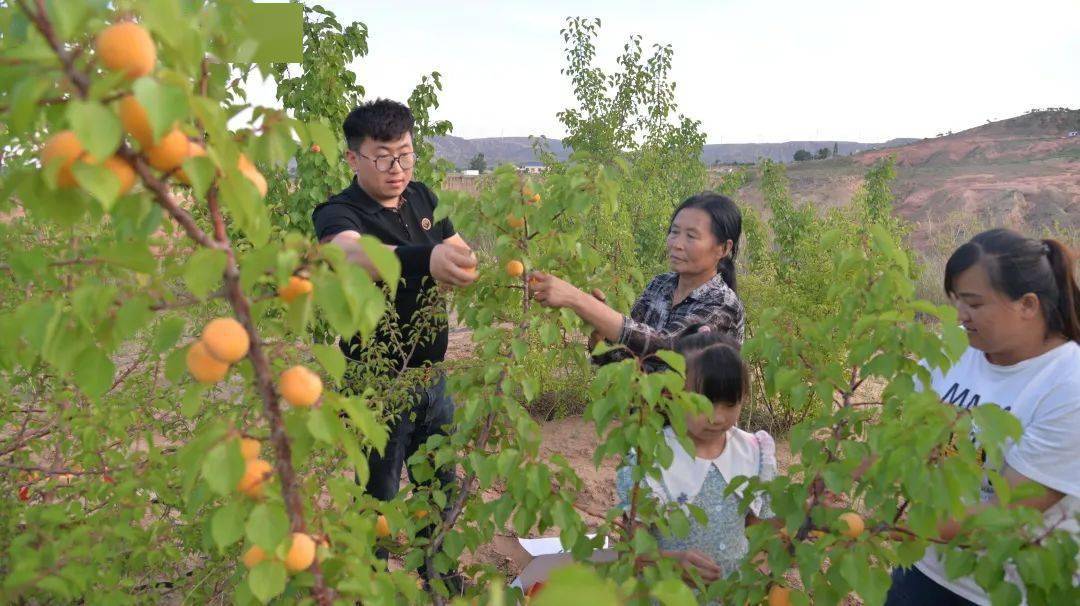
<point x="550" y="291"/>
<point x="950" y="528"/>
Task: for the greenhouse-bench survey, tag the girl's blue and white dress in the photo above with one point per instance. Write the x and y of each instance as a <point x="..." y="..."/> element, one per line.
<point x="702" y="482"/>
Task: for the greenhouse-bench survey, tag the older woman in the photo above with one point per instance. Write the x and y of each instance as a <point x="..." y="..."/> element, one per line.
<point x="697" y="294"/>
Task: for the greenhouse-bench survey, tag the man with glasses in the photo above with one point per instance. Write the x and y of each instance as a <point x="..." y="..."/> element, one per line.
<point x="383" y="201"/>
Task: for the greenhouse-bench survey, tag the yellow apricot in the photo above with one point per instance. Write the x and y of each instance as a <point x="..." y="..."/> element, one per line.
<point x="300" y="386"/>
<point x="253" y="556"/>
<point x="301" y="553"/>
<point x="204" y="367"/>
<point x="255" y="475"/>
<point x="127" y="47"/>
<point x="226" y="339"/>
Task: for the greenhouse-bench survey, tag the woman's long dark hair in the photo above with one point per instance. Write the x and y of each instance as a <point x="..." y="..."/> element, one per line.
<point x="1018" y="265"/>
<point x="726" y="221"/>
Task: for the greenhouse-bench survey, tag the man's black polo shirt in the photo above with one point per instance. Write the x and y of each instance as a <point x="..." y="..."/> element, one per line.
<point x="412" y="229"/>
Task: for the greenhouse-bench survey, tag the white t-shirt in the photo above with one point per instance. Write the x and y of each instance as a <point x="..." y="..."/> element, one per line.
<point x="1044" y="394"/>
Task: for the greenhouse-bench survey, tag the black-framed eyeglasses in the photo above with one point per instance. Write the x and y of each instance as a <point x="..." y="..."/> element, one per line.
<point x="384" y="163"/>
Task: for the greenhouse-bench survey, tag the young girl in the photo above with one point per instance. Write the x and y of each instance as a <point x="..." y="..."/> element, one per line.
<point x="1019" y="302"/>
<point x="723" y="452"/>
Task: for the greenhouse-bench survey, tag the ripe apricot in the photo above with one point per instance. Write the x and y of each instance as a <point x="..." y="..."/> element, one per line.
<point x="255" y="474"/>
<point x="136" y="121"/>
<point x="382" y="527"/>
<point x="315" y="148"/>
<point x="127" y="47"/>
<point x="301" y="553"/>
<point x="204" y="367"/>
<point x="248" y="170"/>
<point x="535" y="199"/>
<point x="122" y="170"/>
<point x="515" y="222"/>
<point x="253" y="556"/>
<point x="170" y="152"/>
<point x="249" y="448"/>
<point x="300" y="386"/>
<point x="226" y="339"/>
<point x="63" y="147"/>
<point x="779" y="596"/>
<point x="297" y="286"/>
<point x="195" y="150"/>
<point x="515" y="268"/>
<point x="853" y="524"/>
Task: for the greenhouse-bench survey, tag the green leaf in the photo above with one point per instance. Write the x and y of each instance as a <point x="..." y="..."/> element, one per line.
<point x="97" y="128"/>
<point x="673" y="592"/>
<point x="68" y="15"/>
<point x="322" y="136"/>
<point x="331" y="359"/>
<point x="577" y="584"/>
<point x="959" y="563"/>
<point x="94" y="372"/>
<point x="267" y="526"/>
<point x="223" y="467"/>
<point x="24" y="109"/>
<point x="102" y="184"/>
<point x="674" y="360"/>
<point x="227" y="525"/>
<point x="365" y="420"/>
<point x="132" y="316"/>
<point x="165" y="104"/>
<point x="240" y="197"/>
<point x="322" y="423"/>
<point x="200" y="172"/>
<point x="168" y="333"/>
<point x="192" y="402"/>
<point x="204" y="270"/>
<point x="267" y="580"/>
<point x="130" y="255"/>
<point x="384" y="260"/>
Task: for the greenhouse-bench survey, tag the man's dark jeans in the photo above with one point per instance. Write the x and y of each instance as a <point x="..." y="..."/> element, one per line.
<point x="431" y="414"/>
<point x="910" y="587"/>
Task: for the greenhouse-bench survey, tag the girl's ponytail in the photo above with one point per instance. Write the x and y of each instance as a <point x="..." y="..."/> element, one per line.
<point x="1068" y="303"/>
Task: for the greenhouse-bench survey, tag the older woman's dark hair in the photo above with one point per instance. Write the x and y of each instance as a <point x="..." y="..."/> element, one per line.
<point x="726" y="221"/>
<point x="1018" y="265"/>
<point x="714" y="367"/>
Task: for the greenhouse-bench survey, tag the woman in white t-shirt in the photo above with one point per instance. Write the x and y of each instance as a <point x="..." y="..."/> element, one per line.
<point x="1018" y="300"/>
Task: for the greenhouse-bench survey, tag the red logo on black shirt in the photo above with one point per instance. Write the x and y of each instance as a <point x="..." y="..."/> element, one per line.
<point x="425" y="223"/>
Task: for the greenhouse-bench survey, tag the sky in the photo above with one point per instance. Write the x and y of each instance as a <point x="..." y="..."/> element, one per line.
<point x="752" y="71"/>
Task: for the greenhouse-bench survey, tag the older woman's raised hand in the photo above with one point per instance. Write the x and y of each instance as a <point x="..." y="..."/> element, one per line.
<point x="550" y="291"/>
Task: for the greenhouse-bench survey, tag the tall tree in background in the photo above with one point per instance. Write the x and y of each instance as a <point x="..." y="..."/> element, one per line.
<point x="478" y="162"/>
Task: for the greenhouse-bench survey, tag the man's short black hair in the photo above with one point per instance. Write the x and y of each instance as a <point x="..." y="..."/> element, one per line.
<point x="381" y="120"/>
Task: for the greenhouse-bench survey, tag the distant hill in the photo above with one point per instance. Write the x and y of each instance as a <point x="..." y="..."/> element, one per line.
<point x="729" y="153"/>
<point x="1022" y="172"/>
<point x="496" y="150"/>
<point x="518" y="150"/>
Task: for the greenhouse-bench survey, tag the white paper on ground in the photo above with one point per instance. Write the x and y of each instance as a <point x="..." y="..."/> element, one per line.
<point x="544" y="546"/>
